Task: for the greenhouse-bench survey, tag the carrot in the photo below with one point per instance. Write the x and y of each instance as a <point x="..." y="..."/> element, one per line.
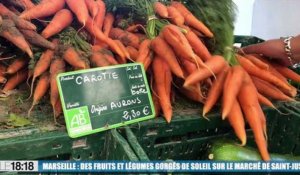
<point x="132" y="52"/>
<point x="109" y="56"/>
<point x="198" y="46"/>
<point x="134" y="27"/>
<point x="12" y="34"/>
<point x="40" y="90"/>
<point x="161" y="9"/>
<point x="61" y="20"/>
<point x="101" y="37"/>
<point x="99" y="60"/>
<point x="191" y="20"/>
<point x="144" y="50"/>
<point x="216" y="65"/>
<point x="288" y="73"/>
<point x="92" y="7"/>
<point x="123" y="48"/>
<point x="58" y="109"/>
<point x="42" y="64"/>
<point x="261" y="73"/>
<point x="156" y="103"/>
<point x="127" y="38"/>
<point x="108" y="23"/>
<point x="101" y="14"/>
<point x="36" y="39"/>
<point x="17" y="65"/>
<point x="15" y="80"/>
<point x="19" y="22"/>
<point x="147" y="61"/>
<point x="265" y="101"/>
<point x="178" y="41"/>
<point x="236" y="120"/>
<point x="214" y="92"/>
<point x="43" y="9"/>
<point x="175" y="16"/>
<point x="259" y="63"/>
<point x="57" y="66"/>
<point x="163" y="50"/>
<point x="162" y="80"/>
<point x="232" y="89"/>
<point x="2" y="72"/>
<point x="79" y="8"/>
<point x="27" y="4"/>
<point x="270" y="90"/>
<point x="250" y="105"/>
<point x="72" y="57"/>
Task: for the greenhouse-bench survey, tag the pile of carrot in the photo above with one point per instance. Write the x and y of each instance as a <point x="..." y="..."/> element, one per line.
<point x="82" y="34"/>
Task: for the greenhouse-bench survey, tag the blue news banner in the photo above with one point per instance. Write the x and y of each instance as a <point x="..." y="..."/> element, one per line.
<point x="146" y="167"/>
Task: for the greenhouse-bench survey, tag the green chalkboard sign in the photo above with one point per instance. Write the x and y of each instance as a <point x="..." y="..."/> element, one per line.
<point x="96" y="100"/>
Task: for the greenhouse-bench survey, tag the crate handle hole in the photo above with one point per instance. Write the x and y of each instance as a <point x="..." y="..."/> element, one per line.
<point x="57" y="146"/>
<point x="91" y="155"/>
<point x="78" y="157"/>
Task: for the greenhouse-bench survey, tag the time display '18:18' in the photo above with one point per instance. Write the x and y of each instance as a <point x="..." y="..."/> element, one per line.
<point x="21" y="166"/>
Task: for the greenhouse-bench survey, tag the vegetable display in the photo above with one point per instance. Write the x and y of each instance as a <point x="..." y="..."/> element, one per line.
<point x="178" y="44"/>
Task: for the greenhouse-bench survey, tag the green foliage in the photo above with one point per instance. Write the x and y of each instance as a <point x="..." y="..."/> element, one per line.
<point x="219" y="16"/>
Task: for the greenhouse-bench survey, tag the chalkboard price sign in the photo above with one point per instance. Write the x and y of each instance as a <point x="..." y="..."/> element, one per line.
<point x="96" y="100"/>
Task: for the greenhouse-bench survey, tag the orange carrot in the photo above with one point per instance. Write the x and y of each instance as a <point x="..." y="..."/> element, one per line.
<point x="12" y="34"/>
<point x="2" y="72"/>
<point x="92" y="7"/>
<point x="161" y="9"/>
<point x="132" y="52"/>
<point x="269" y="90"/>
<point x="214" y="92"/>
<point x="250" y="105"/>
<point x="144" y="50"/>
<point x="72" y="57"/>
<point x="178" y="41"/>
<point x="162" y="79"/>
<point x="43" y="9"/>
<point x="288" y="73"/>
<point x="261" y="73"/>
<point x="124" y="50"/>
<point x="15" y="80"/>
<point x="61" y="20"/>
<point x="17" y="65"/>
<point x="191" y="20"/>
<point x="198" y="46"/>
<point x="43" y="64"/>
<point x="101" y="37"/>
<point x="127" y="38"/>
<point x="99" y="60"/>
<point x="19" y="22"/>
<point x="36" y="39"/>
<point x="232" y="89"/>
<point x="175" y="16"/>
<point x="163" y="50"/>
<point x="216" y="65"/>
<point x="40" y="90"/>
<point x="108" y="23"/>
<point x="101" y="14"/>
<point x="236" y="120"/>
<point x="156" y="103"/>
<point x="265" y="101"/>
<point x="58" y="109"/>
<point x="79" y="8"/>
<point x="259" y="63"/>
<point x="28" y="4"/>
<point x="57" y="66"/>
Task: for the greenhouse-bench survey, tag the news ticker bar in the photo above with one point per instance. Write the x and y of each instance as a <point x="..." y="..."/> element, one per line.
<point x="149" y="166"/>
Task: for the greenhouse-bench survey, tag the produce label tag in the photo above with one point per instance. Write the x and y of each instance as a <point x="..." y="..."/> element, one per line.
<point x="99" y="99"/>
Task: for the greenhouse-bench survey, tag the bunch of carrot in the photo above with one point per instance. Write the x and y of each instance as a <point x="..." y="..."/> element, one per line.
<point x="176" y="55"/>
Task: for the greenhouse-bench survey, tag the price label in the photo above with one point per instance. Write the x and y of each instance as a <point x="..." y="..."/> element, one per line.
<point x="99" y="99"/>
